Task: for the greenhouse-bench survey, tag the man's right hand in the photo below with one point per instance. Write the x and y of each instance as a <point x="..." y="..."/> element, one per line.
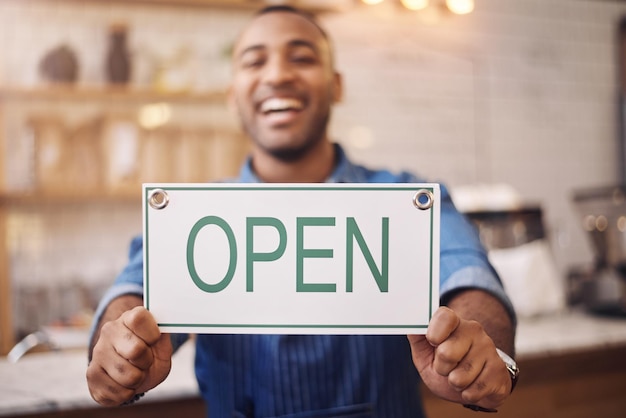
<point x="130" y="357"/>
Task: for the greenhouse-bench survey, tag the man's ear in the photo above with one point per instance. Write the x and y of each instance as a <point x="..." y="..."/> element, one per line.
<point x="337" y="88"/>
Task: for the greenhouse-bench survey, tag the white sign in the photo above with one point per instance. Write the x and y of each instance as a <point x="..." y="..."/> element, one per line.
<point x="292" y="258"/>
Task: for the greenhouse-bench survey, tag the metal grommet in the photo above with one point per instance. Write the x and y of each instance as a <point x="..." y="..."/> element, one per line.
<point x="158" y="199"/>
<point x="423" y="199"/>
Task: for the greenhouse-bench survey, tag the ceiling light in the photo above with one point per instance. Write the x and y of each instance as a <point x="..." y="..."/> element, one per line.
<point x="372" y="1"/>
<point x="460" y="7"/>
<point x="415" y="4"/>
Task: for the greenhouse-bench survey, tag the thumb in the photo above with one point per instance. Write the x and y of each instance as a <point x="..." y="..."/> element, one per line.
<point x="161" y="365"/>
<point x="421" y="351"/>
<point x="162" y="349"/>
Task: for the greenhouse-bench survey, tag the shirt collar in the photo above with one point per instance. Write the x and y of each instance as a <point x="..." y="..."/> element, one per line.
<point x="344" y="172"/>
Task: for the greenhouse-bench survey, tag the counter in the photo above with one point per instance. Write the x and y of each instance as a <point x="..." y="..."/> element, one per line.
<point x="572" y="365"/>
<point x="54" y="382"/>
<point x="569" y="332"/>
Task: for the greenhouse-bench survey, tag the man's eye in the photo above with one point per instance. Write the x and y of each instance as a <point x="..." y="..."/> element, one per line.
<point x="304" y="59"/>
<point x="252" y="62"/>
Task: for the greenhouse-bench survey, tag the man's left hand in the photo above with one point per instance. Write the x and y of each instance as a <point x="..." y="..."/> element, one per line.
<point x="457" y="361"/>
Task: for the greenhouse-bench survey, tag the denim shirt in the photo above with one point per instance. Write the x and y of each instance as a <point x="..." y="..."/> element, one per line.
<point x="302" y="376"/>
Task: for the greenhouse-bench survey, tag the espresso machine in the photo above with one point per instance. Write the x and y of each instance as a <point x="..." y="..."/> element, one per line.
<point x="602" y="213"/>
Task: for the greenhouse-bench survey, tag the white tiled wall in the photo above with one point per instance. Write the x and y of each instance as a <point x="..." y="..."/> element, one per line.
<point x="521" y="92"/>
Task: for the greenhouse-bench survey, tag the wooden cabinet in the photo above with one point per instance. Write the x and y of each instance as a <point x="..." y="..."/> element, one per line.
<point x="83" y="145"/>
<point x="6" y="315"/>
<point x="89" y="142"/>
<point x="576" y="384"/>
<point x="70" y="145"/>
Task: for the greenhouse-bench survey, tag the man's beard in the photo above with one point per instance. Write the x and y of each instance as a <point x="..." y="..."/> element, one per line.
<point x="297" y="152"/>
<point x="290" y="155"/>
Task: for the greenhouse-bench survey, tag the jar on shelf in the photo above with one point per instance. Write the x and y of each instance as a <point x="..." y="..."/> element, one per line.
<point x="52" y="152"/>
<point x="118" y="62"/>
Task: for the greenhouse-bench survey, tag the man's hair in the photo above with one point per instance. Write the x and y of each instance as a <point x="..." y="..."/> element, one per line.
<point x="290" y="9"/>
<point x="306" y="15"/>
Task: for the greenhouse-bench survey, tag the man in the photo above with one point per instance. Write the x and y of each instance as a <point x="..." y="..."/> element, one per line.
<point x="284" y="86"/>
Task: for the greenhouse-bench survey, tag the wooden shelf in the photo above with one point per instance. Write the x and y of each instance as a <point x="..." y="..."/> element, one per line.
<point x="224" y="4"/>
<point x="107" y="93"/>
<point x="65" y="197"/>
<point x="312" y="6"/>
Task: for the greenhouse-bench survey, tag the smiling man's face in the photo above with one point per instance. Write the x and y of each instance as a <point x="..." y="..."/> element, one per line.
<point x="284" y="84"/>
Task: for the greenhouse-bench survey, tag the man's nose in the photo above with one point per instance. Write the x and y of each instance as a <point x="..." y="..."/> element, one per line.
<point x="278" y="71"/>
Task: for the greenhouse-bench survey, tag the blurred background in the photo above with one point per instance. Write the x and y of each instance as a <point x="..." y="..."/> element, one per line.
<point x="515" y="105"/>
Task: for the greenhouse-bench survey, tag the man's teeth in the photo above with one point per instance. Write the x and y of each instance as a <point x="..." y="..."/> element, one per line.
<point x="279" y="104"/>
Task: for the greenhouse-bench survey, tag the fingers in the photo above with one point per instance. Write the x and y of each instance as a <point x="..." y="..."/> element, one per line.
<point x="490" y="387"/>
<point x="132" y="336"/>
<point x="105" y="390"/>
<point x="465" y="356"/>
<point x="453" y="355"/>
<point x="112" y="377"/>
<point x="131" y="356"/>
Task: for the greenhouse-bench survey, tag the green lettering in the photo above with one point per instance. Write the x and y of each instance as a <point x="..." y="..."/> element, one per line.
<point x="251" y="256"/>
<point x="191" y="243"/>
<point x="381" y="276"/>
<point x="302" y="253"/>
